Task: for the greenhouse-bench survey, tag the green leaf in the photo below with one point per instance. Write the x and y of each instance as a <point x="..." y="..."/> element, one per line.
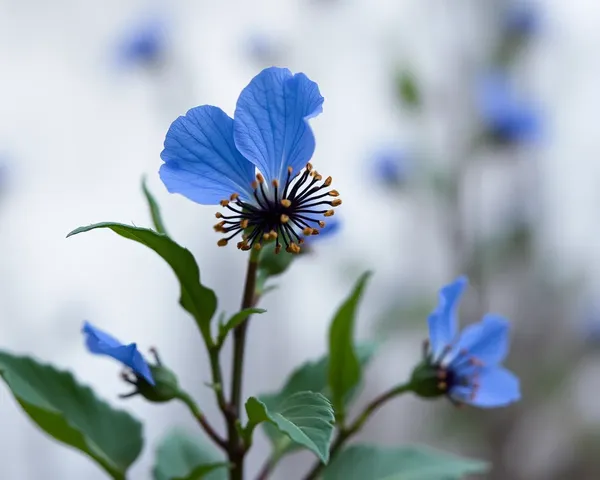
<point x="344" y="368"/>
<point x="311" y="376"/>
<point x="305" y="417"/>
<point x="408" y="91"/>
<point x="359" y="462"/>
<point x="195" y="298"/>
<point x="234" y="321"/>
<point x="72" y="414"/>
<point x="157" y="221"/>
<point x="181" y="456"/>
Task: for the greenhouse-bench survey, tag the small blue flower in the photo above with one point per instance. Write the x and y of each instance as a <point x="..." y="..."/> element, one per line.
<point x="212" y="159"/>
<point x="468" y="365"/>
<point x="522" y="19"/>
<point x="262" y="48"/>
<point x="391" y="166"/>
<point x="507" y="117"/>
<point x="101" y="343"/>
<point x="145" y="44"/>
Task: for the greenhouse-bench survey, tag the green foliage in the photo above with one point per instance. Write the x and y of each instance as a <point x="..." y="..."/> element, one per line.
<point x="72" y="414"/>
<point x="305" y="417"/>
<point x="180" y="456"/>
<point x="360" y="462"/>
<point x="408" y="90"/>
<point x="234" y="321"/>
<point x="157" y="221"/>
<point x="198" y="300"/>
<point x="344" y="367"/>
<point x="311" y="376"/>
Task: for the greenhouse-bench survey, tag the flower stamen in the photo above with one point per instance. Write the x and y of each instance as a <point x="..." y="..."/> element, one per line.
<point x="278" y="212"/>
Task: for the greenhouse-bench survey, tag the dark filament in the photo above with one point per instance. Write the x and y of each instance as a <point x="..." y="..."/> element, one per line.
<point x="279" y="214"/>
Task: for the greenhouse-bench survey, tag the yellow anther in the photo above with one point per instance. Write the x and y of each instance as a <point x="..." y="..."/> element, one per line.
<point x="257" y="246"/>
<point x="286" y="203"/>
<point x="224" y="203"/>
<point x="301" y="241"/>
<point x="315" y="231"/>
<point x="277" y="248"/>
<point x="309" y="166"/>
<point x="328" y="181"/>
<point x="222" y="242"/>
<point x="334" y="193"/>
<point x="245" y="247"/>
<point x="273" y="234"/>
<point x="290" y="170"/>
<point x="275" y="183"/>
<point x="318" y="177"/>
<point x="240" y="245"/>
<point x="254" y="185"/>
<point x="336" y="202"/>
<point x="219" y="215"/>
<point x="234" y="197"/>
<point x="266" y="236"/>
<point x="244" y="223"/>
<point x="307" y="231"/>
<point x="293" y="248"/>
<point x="260" y="178"/>
<point x="328" y="213"/>
<point x="284" y="218"/>
<point x="219" y="226"/>
<point x="321" y="224"/>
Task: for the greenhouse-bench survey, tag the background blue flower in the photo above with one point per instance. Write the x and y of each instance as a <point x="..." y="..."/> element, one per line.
<point x="145" y="43"/>
<point x="101" y="343"/>
<point x="506" y="116"/>
<point x="391" y="165"/>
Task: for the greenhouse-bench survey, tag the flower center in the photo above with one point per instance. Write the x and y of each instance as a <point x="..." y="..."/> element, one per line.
<point x="284" y="214"/>
<point x="462" y="371"/>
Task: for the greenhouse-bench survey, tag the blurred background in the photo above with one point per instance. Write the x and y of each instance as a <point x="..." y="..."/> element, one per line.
<point x="461" y="134"/>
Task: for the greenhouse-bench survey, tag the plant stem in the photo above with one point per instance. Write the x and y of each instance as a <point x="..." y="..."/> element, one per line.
<point x="268" y="467"/>
<point x="195" y="411"/>
<point x="347" y="432"/>
<point x="236" y="450"/>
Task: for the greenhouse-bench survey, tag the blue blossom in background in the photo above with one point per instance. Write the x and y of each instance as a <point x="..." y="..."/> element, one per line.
<point x="391" y="166"/>
<point x="144" y="44"/>
<point x="467" y="366"/>
<point x="262" y="48"/>
<point x="211" y="159"/>
<point x="507" y="117"/>
<point x="101" y="343"/>
<point x="522" y="19"/>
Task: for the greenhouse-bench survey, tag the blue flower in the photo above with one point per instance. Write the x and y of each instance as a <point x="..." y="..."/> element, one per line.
<point x="522" y="19"/>
<point x="467" y="366"/>
<point x="507" y="117"/>
<point x="391" y="166"/>
<point x="145" y="44"/>
<point x="212" y="159"/>
<point x="101" y="343"/>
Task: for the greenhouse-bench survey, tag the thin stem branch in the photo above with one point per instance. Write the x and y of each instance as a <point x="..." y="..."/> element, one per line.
<point x="347" y="432"/>
<point x="195" y="411"/>
<point x="236" y="449"/>
<point x="268" y="467"/>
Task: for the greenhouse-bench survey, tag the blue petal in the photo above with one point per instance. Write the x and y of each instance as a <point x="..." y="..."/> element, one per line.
<point x="497" y="388"/>
<point x="101" y="343"/>
<point x="201" y="161"/>
<point x="443" y="322"/>
<point x="271" y="128"/>
<point x="487" y="340"/>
